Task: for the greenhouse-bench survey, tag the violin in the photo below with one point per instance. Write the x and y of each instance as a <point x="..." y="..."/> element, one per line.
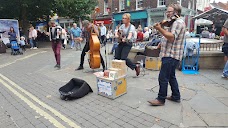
<point x="169" y="22"/>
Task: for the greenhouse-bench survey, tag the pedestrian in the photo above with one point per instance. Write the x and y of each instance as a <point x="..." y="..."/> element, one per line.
<point x="34" y="37"/>
<point x="139" y="27"/>
<point x="103" y="32"/>
<point x="139" y="35"/>
<point x="64" y="38"/>
<point x="12" y="34"/>
<point x="69" y="37"/>
<point x="109" y="36"/>
<point x="225" y="49"/>
<point x="171" y="53"/>
<point x="22" y="43"/>
<point x="115" y="40"/>
<point x="55" y="37"/>
<point x="205" y="33"/>
<point x="30" y="38"/>
<point x="146" y="34"/>
<point x="75" y="35"/>
<point x="187" y="33"/>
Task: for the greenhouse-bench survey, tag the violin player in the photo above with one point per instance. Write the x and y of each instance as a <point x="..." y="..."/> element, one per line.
<point x="171" y="53"/>
<point x="86" y="34"/>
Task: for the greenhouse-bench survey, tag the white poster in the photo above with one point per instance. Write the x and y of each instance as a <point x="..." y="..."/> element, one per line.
<point x="5" y="25"/>
<point x="104" y="87"/>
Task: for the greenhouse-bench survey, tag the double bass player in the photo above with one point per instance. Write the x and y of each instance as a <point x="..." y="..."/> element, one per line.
<point x="87" y="34"/>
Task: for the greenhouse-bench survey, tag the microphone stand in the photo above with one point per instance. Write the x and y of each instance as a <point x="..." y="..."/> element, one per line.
<point x="106" y="67"/>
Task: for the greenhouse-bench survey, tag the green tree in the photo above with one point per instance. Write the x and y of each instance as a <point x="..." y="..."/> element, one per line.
<point x="30" y="10"/>
<point x="25" y="10"/>
<point x="76" y="8"/>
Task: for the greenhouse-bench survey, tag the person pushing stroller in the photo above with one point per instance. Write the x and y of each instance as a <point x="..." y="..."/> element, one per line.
<point x="15" y="48"/>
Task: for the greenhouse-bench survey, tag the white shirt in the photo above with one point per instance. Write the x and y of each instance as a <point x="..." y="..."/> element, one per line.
<point x="34" y="33"/>
<point x="150" y="31"/>
<point x="187" y="34"/>
<point x="64" y="34"/>
<point x="103" y="30"/>
<point x="146" y="35"/>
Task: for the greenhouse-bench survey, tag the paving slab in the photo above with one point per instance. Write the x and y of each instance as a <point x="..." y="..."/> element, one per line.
<point x="156" y="126"/>
<point x="170" y="112"/>
<point x="224" y="100"/>
<point x="215" y="119"/>
<point x="186" y="94"/>
<point x="135" y="97"/>
<point x="215" y="90"/>
<point x="204" y="95"/>
<point x="205" y="103"/>
<point x="215" y="76"/>
<point x="190" y="117"/>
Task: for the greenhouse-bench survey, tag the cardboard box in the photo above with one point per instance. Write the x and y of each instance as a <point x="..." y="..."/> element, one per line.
<point x="153" y="63"/>
<point x="113" y="75"/>
<point x="120" y="72"/>
<point x="152" y="51"/>
<point x="111" y="88"/>
<point x="120" y="64"/>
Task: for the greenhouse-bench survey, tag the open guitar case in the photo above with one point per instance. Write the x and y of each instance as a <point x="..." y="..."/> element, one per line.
<point x="74" y="89"/>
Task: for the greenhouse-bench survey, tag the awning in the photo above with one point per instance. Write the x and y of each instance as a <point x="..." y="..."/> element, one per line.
<point x="134" y="15"/>
<point x="104" y="21"/>
<point x="203" y="22"/>
<point x="213" y="14"/>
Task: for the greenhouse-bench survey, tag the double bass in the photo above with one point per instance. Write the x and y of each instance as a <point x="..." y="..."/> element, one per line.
<point x="94" y="47"/>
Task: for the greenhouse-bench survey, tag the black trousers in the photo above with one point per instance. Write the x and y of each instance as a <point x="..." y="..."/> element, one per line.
<point x="122" y="52"/>
<point x="103" y="39"/>
<point x="62" y="41"/>
<point x="86" y="49"/>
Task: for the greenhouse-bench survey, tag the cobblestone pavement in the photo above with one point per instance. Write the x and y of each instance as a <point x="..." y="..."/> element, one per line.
<point x="30" y="98"/>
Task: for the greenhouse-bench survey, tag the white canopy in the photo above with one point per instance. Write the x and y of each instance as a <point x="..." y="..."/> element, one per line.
<point x="203" y="22"/>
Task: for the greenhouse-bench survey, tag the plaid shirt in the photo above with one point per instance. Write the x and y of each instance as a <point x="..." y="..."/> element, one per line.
<point x="174" y="49"/>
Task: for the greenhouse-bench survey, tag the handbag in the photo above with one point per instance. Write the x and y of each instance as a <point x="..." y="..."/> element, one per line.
<point x="65" y="41"/>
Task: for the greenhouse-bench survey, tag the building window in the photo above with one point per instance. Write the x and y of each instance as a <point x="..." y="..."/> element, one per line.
<point x="161" y="3"/>
<point x="105" y="7"/>
<point x="122" y="5"/>
<point x="189" y="4"/>
<point x="139" y="4"/>
<point x="179" y="2"/>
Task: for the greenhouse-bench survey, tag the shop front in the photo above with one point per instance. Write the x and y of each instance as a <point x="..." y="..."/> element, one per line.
<point x="106" y="20"/>
<point x="158" y="14"/>
<point x="137" y="18"/>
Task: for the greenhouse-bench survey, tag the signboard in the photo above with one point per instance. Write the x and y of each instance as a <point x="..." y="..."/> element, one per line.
<point x="104" y="87"/>
<point x="41" y="26"/>
<point x="128" y="3"/>
<point x="5" y="25"/>
<point x="106" y="21"/>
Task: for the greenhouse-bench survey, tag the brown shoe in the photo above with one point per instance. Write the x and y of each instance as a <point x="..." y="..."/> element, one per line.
<point x="171" y="99"/>
<point x="137" y="70"/>
<point x="156" y="102"/>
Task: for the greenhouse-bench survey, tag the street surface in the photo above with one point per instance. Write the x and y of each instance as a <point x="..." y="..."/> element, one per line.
<point x="29" y="96"/>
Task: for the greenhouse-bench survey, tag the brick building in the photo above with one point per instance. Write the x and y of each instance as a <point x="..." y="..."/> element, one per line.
<point x="143" y="12"/>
